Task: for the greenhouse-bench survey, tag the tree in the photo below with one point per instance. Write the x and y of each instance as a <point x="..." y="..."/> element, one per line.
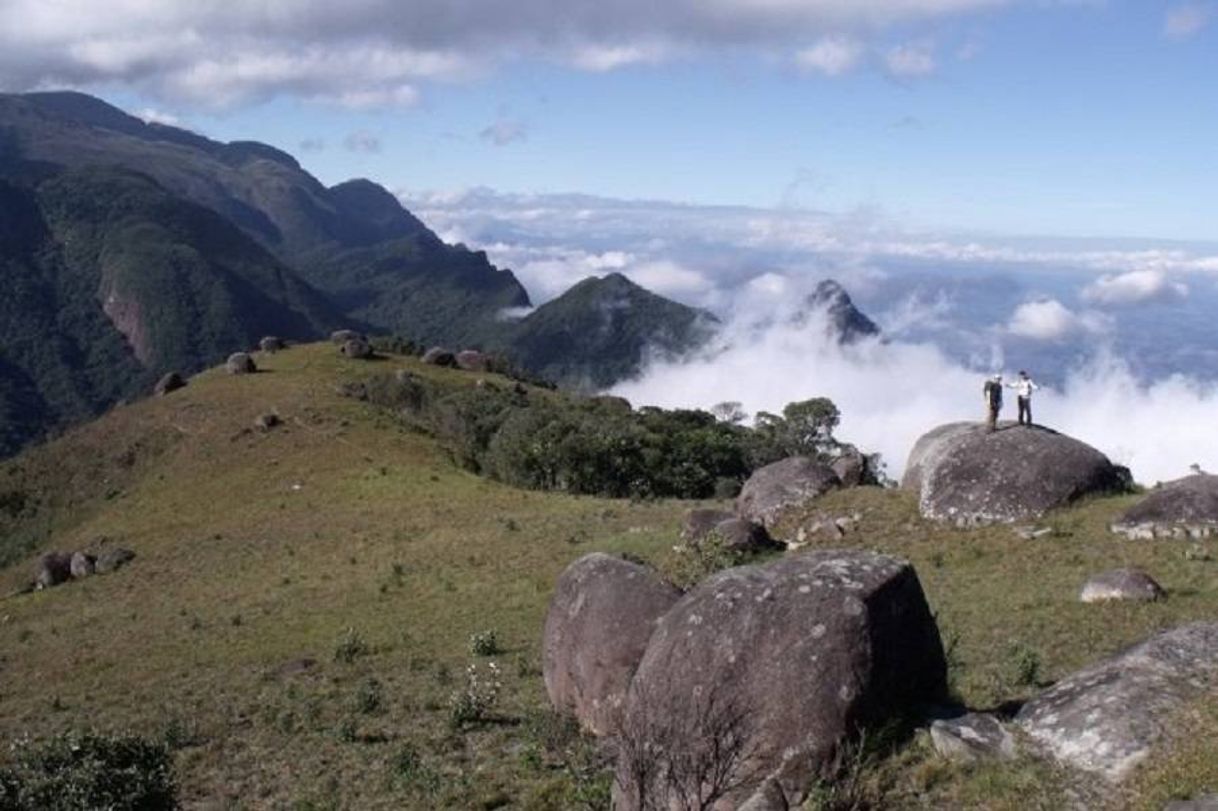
<point x="809" y="426"/>
<point x="729" y="411"/>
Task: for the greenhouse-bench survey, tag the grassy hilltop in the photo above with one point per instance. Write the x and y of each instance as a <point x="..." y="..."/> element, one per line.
<point x="301" y="609"/>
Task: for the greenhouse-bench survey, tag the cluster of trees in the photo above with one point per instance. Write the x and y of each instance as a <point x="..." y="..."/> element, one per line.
<point x="601" y="446"/>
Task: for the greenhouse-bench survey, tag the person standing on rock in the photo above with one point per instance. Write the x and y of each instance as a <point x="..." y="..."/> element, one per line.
<point x="992" y="392"/>
<point x="1023" y="391"/>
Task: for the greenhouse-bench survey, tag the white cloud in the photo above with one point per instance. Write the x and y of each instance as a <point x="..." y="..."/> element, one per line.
<point x="504" y="130"/>
<point x="911" y="60"/>
<point x="151" y="115"/>
<point x="832" y="56"/>
<point x="377" y="52"/>
<point x="1050" y="320"/>
<point x="1134" y="287"/>
<point x="1185" y="20"/>
<point x="362" y="141"/>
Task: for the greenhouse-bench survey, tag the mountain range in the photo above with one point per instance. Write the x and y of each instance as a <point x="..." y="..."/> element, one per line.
<point x="129" y="249"/>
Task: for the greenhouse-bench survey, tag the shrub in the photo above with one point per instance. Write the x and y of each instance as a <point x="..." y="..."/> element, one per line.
<point x="369" y="697"/>
<point x="409" y="771"/>
<point x="350" y="647"/>
<point x="88" y="771"/>
<point x="476" y="700"/>
<point x="485" y="643"/>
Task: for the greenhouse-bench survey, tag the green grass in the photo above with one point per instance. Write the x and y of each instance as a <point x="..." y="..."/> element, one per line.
<point x="343" y="539"/>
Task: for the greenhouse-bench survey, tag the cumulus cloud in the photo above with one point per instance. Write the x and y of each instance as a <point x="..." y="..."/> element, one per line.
<point x="378" y="52"/>
<point x="1183" y="21"/>
<point x="152" y="115"/>
<point x="362" y="141"/>
<point x="891" y="392"/>
<point x="1134" y="287"/>
<point x="832" y="56"/>
<point x="1050" y="320"/>
<point x="911" y="60"/>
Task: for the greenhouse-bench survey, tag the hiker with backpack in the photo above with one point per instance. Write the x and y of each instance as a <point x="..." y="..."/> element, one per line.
<point x="1023" y="391"/>
<point x="992" y="392"/>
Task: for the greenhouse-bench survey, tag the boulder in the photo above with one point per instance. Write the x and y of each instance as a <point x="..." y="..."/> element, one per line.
<point x="341" y="336"/>
<point x="267" y="422"/>
<point x="731" y="530"/>
<point x="1121" y="584"/>
<point x="472" y="360"/>
<point x="1183" y="508"/>
<point x="111" y="560"/>
<point x="82" y="565"/>
<point x="272" y="344"/>
<point x="762" y="673"/>
<point x="240" y="363"/>
<point x="439" y="356"/>
<point x="358" y="349"/>
<point x="775" y="488"/>
<point x="53" y="568"/>
<point x="967" y="475"/>
<point x="600" y="618"/>
<point x="972" y="737"/>
<point x="852" y="468"/>
<point x="1107" y="718"/>
<point x="169" y="382"/>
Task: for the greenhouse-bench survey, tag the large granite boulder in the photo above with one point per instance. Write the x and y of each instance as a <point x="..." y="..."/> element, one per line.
<point x="169" y="382"/>
<point x="82" y="565"/>
<point x="967" y="475"/>
<point x="752" y="683"/>
<point x="341" y="336"/>
<point x="729" y="529"/>
<point x="439" y="356"/>
<point x="240" y="363"/>
<point x="112" y="559"/>
<point x="53" y="568"/>
<point x="600" y="618"/>
<point x="1107" y="718"/>
<point x="357" y="349"/>
<point x="1185" y="508"/>
<point x="272" y="343"/>
<point x="776" y="488"/>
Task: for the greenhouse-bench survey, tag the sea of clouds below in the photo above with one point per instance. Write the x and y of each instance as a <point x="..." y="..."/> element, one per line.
<point x="1121" y="335"/>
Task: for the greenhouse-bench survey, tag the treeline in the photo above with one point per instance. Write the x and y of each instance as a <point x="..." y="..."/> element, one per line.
<point x="547" y="440"/>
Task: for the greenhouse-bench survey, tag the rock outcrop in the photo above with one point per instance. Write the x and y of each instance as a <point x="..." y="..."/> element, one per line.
<point x="599" y="621"/>
<point x="1107" y="718"/>
<point x="439" y="356"/>
<point x="1121" y="584"/>
<point x="732" y="531"/>
<point x="240" y="363"/>
<point x="966" y="475"/>
<point x="1185" y="508"/>
<point x="168" y="383"/>
<point x="761" y="673"/>
<point x="773" y="489"/>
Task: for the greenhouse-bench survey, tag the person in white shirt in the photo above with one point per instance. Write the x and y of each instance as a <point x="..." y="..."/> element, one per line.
<point x="1023" y="391"/>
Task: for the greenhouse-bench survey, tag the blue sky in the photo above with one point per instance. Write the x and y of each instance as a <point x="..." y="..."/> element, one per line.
<point x="1039" y="117"/>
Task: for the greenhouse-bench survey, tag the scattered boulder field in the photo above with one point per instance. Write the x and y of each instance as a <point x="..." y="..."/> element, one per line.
<point x="56" y="568"/>
<point x="967" y="475"/>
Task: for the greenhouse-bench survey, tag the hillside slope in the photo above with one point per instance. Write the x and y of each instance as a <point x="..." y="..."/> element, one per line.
<point x="300" y="609"/>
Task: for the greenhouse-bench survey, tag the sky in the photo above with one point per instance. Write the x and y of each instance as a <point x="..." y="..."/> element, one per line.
<point x="1010" y="117"/>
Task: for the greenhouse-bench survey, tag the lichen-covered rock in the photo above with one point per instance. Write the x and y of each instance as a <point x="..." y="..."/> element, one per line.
<point x="82" y="565"/>
<point x="272" y="343"/>
<point x="113" y="559"/>
<point x="341" y="336"/>
<point x="240" y="363"/>
<point x="357" y="349"/>
<point x="53" y="568"/>
<point x="768" y="670"/>
<point x="773" y="489"/>
<point x="1107" y="718"/>
<point x="472" y="360"/>
<point x="852" y="468"/>
<point x="439" y="356"/>
<point x="1185" y="508"/>
<point x="600" y="618"/>
<point x="972" y="737"/>
<point x="1121" y="584"/>
<point x="169" y="382"/>
<point x="967" y="475"/>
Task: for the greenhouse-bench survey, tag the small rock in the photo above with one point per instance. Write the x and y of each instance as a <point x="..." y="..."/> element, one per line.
<point x="356" y="349"/>
<point x="113" y="559"/>
<point x="170" y="382"/>
<point x="53" y="568"/>
<point x="240" y="363"/>
<point x="82" y="565"/>
<point x="1121" y="584"/>
<point x="341" y="336"/>
<point x="266" y="422"/>
<point x="972" y="737"/>
<point x="272" y="344"/>
<point x="1031" y="533"/>
<point x="439" y="356"/>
